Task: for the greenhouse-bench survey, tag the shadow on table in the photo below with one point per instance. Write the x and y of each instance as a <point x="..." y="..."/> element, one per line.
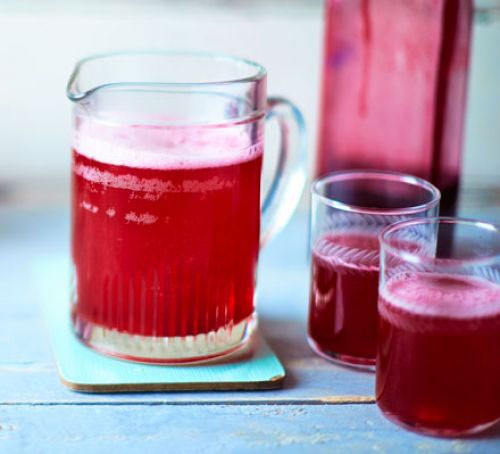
<point x="287" y="338"/>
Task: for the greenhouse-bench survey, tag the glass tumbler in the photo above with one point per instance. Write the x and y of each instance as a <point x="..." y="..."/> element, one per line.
<point x="438" y="362"/>
<point x="166" y="204"/>
<point x="349" y="210"/>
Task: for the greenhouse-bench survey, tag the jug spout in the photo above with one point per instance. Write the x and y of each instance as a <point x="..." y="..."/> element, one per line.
<point x="95" y="73"/>
<point x="74" y="91"/>
<point x="84" y="80"/>
<point x="99" y="72"/>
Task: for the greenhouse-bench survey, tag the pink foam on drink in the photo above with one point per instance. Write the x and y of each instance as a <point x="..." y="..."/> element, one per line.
<point x="163" y="146"/>
<point x="152" y="187"/>
<point x="443" y="296"/>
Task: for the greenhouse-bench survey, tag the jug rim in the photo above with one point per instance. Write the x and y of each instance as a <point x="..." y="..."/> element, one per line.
<point x="373" y="174"/>
<point x="387" y="241"/>
<point x="75" y="94"/>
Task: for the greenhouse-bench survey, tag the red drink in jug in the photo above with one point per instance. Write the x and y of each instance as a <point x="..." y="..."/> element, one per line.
<point x="438" y="363"/>
<point x="343" y="299"/>
<point x="394" y="89"/>
<point x="165" y="228"/>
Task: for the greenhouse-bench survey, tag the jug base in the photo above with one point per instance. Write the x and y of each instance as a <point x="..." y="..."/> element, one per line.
<point x="165" y="350"/>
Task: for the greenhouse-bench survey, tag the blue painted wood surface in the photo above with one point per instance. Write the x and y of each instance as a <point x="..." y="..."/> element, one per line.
<point x="37" y="413"/>
<point x="216" y="429"/>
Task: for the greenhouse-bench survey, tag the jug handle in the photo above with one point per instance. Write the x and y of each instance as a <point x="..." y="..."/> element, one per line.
<point x="289" y="178"/>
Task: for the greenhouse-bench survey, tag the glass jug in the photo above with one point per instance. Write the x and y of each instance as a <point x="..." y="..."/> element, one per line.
<point x="166" y="213"/>
<point x="394" y="88"/>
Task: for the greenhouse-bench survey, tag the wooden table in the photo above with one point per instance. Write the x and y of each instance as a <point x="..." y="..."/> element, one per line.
<point x="322" y="407"/>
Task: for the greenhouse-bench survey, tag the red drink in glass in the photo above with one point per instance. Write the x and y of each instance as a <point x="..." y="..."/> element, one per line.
<point x="176" y="229"/>
<point x="438" y="363"/>
<point x="343" y="299"/>
<point x="394" y="88"/>
<point x="348" y="211"/>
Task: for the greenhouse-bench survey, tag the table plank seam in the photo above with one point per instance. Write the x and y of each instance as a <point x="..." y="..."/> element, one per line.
<point x="329" y="400"/>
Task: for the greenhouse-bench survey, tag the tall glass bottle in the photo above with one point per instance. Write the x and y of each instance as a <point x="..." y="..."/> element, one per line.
<point x="394" y="88"/>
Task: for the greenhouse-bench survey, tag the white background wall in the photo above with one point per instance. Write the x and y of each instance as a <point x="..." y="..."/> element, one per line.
<point x="41" y="40"/>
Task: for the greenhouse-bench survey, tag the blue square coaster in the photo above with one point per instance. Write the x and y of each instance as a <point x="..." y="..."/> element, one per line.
<point x="82" y="369"/>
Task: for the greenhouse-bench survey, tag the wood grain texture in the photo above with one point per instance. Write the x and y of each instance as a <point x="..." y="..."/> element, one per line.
<point x="217" y="429"/>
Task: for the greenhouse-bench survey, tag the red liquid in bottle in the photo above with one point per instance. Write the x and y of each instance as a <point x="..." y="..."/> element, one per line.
<point x="438" y="363"/>
<point x="343" y="299"/>
<point x="394" y="89"/>
<point x="165" y="237"/>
